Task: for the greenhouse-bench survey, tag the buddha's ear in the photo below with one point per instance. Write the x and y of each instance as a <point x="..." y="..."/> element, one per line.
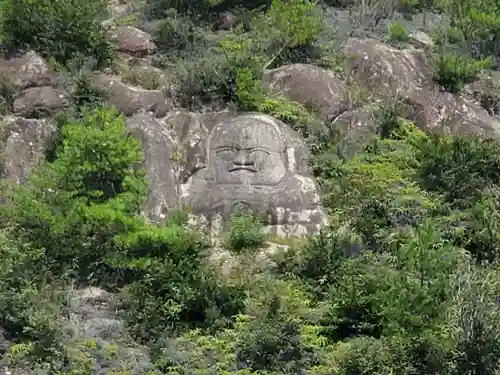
<point x="290" y="156"/>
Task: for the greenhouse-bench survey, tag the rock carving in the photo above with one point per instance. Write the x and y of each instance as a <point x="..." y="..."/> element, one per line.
<point x="251" y="160"/>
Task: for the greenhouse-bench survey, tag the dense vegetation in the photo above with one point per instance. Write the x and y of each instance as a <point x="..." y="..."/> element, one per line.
<point x="405" y="280"/>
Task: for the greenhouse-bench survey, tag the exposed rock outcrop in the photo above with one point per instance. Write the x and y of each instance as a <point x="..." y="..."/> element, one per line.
<point x="133" y="41"/>
<point x="316" y="88"/>
<point x="128" y="99"/>
<point x="405" y="76"/>
<point x="22" y="145"/>
<point x="215" y="161"/>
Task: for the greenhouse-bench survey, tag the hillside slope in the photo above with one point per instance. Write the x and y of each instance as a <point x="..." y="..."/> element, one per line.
<point x="249" y="187"/>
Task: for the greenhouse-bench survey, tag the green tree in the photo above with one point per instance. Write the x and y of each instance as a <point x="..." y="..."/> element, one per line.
<point x="62" y="29"/>
<point x="74" y="206"/>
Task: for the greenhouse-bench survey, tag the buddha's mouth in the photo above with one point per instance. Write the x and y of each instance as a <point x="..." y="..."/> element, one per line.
<point x="242" y="168"/>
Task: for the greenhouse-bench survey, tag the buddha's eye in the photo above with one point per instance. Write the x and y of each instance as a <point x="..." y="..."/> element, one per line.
<point x="258" y="153"/>
<point x="226" y="153"/>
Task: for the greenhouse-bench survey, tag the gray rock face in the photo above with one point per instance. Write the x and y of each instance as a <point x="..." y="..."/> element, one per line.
<point x="22" y="144"/>
<point x="133" y="41"/>
<point x="127" y="99"/>
<point x="38" y="101"/>
<point x="314" y="87"/>
<point x="218" y="161"/>
<point x="94" y="314"/>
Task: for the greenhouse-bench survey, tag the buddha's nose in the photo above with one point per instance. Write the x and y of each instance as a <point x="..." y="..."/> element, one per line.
<point x="242" y="159"/>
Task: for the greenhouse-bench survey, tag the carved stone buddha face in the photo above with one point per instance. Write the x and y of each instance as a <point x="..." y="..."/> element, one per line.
<point x="247" y="153"/>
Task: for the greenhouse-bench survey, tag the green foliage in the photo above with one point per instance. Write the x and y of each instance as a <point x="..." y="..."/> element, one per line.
<point x="274" y="39"/>
<point x="28" y="310"/>
<point x="64" y="30"/>
<point x="245" y="231"/>
<point x="95" y="177"/>
<point x="171" y="290"/>
<point x="98" y="161"/>
<point x="460" y="168"/>
<point x="397" y="32"/>
<point x="454" y="70"/>
<point x="6" y="94"/>
<point x="199" y="9"/>
<point x="477" y="23"/>
<point x="177" y="32"/>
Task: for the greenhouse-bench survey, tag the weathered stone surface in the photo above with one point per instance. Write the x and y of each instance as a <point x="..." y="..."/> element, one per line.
<point x="94" y="314"/>
<point x="215" y="161"/>
<point x="22" y="144"/>
<point x="37" y="102"/>
<point x="385" y="69"/>
<point x="405" y="76"/>
<point x="354" y="131"/>
<point x="486" y="91"/>
<point x="222" y="159"/>
<point x="27" y="70"/>
<point x="158" y="145"/>
<point x="133" y="41"/>
<point x="420" y="39"/>
<point x="315" y="87"/>
<point x="128" y="99"/>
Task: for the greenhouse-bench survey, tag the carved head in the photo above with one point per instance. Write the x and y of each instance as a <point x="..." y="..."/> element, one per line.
<point x="248" y="151"/>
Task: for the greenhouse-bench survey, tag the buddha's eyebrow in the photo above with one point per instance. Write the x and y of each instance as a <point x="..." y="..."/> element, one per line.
<point x="227" y="146"/>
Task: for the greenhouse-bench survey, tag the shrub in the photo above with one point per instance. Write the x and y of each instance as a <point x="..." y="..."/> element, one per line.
<point x="273" y="40"/>
<point x="6" y="94"/>
<point x="64" y="30"/>
<point x="453" y="70"/>
<point x="170" y="289"/>
<point x="460" y="168"/>
<point x="317" y="264"/>
<point x="177" y="32"/>
<point x="477" y="24"/>
<point x="245" y="230"/>
<point x="201" y="10"/>
<point x="29" y="310"/>
<point x="397" y="32"/>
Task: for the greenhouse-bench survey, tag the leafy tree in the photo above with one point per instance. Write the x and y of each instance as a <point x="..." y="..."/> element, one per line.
<point x="63" y="30"/>
<point x="96" y="176"/>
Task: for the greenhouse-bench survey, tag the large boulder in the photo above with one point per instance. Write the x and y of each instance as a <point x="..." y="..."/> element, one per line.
<point x="213" y="162"/>
<point x="36" y="102"/>
<point x="22" y="146"/>
<point x="32" y="85"/>
<point x="314" y="87"/>
<point x="406" y="76"/>
<point x="26" y="70"/>
<point x="129" y="99"/>
<point x="133" y="41"/>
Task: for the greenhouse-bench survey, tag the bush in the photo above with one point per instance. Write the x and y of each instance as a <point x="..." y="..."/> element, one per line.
<point x="242" y="56"/>
<point x="453" y="70"/>
<point x="170" y="288"/>
<point x="460" y="168"/>
<point x="6" y="94"/>
<point x="64" y="30"/>
<point x="200" y="10"/>
<point x="28" y="310"/>
<point x="245" y="231"/>
<point x="477" y="24"/>
<point x="177" y="33"/>
<point x="318" y="262"/>
<point x="397" y="32"/>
